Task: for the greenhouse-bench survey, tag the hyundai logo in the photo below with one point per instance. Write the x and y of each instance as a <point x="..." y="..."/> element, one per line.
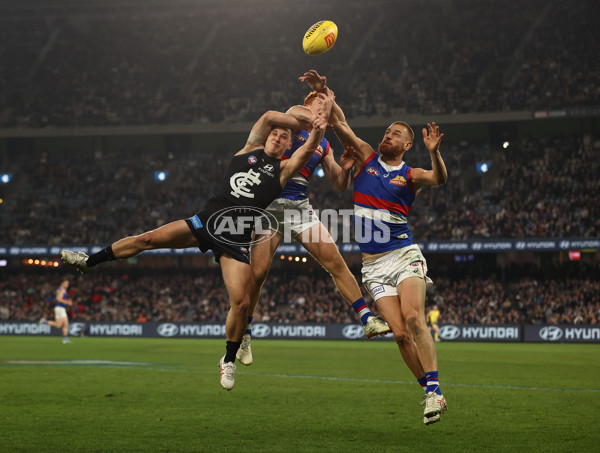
<point x="353" y="331"/>
<point x="167" y="330"/>
<point x="76" y="328"/>
<point x="261" y="330"/>
<point x="551" y="333"/>
<point x="449" y="332"/>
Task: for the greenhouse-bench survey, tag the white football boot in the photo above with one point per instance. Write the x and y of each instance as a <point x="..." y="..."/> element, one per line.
<point x="78" y="260"/>
<point x="244" y="354"/>
<point x="227" y="374"/>
<point x="376" y="326"/>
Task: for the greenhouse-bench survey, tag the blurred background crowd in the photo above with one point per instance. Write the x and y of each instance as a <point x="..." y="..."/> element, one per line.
<point x="523" y="295"/>
<point x="149" y="62"/>
<point x="536" y="187"/>
<point x="84" y="68"/>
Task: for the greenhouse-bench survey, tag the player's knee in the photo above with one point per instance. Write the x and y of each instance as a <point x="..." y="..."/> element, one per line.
<point x="145" y="240"/>
<point x="402" y="338"/>
<point x="241" y="303"/>
<point x="415" y="322"/>
<point x="335" y="266"/>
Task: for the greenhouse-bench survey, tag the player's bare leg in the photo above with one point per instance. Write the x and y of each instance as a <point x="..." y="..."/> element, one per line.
<point x="412" y="302"/>
<point x="392" y="313"/>
<point x="261" y="257"/>
<point x="172" y="235"/>
<point x="319" y="243"/>
<point x="238" y="278"/>
<point x="175" y="235"/>
<point x="63" y="324"/>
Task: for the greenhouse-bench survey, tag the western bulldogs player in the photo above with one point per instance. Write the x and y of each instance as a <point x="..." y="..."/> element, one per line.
<point x="296" y="217"/>
<point x="61" y="319"/>
<point x="394" y="270"/>
<point x="255" y="177"/>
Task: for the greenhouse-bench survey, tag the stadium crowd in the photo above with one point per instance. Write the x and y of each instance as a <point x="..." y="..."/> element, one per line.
<point x="135" y="63"/>
<point x="291" y="295"/>
<point x="537" y="187"/>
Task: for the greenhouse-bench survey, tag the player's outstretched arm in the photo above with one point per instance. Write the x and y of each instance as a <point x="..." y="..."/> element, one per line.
<point x="261" y="129"/>
<point x="301" y="156"/>
<point x="302" y="113"/>
<point x="340" y="174"/>
<point x="438" y="175"/>
<point x="361" y="149"/>
<point x="348" y="138"/>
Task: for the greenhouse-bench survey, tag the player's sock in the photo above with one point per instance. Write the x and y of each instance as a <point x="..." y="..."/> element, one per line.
<point x="433" y="382"/>
<point x="232" y="349"/>
<point x="106" y="254"/>
<point x="362" y="310"/>
<point x="66" y="337"/>
<point x="423" y="382"/>
<point x="249" y="326"/>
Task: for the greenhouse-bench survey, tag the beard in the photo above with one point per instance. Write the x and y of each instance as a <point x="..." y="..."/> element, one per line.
<point x="384" y="147"/>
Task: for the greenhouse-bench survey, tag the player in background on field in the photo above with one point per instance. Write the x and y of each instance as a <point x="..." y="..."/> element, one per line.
<point x="394" y="269"/>
<point x="61" y="320"/>
<point x="255" y="177"/>
<point x="433" y="317"/>
<point x="295" y="214"/>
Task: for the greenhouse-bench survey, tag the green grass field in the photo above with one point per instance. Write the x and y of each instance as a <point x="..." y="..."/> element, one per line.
<point x="330" y="396"/>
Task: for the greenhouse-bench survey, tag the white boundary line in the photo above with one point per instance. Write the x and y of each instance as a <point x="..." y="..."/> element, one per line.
<point x="175" y="368"/>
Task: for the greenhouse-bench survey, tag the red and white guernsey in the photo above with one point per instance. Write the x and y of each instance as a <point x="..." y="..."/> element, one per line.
<point x="383" y="196"/>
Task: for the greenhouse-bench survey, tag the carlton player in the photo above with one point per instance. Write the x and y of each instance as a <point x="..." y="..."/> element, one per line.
<point x="394" y="270"/>
<point x="296" y="218"/>
<point x="255" y="177"/>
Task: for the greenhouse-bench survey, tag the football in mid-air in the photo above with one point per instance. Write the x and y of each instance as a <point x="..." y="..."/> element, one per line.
<point x="320" y="37"/>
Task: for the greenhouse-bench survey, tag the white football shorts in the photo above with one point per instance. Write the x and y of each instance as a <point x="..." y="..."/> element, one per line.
<point x="382" y="277"/>
<point x="293" y="216"/>
<point x="60" y="312"/>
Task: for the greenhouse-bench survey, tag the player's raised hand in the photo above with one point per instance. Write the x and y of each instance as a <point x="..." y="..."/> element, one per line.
<point x="348" y="158"/>
<point x="314" y="80"/>
<point x="319" y="123"/>
<point x="432" y="137"/>
<point x="328" y="98"/>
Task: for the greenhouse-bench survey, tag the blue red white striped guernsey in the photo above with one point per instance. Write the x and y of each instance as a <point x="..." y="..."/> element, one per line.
<point x="297" y="187"/>
<point x="64" y="297"/>
<point x="383" y="195"/>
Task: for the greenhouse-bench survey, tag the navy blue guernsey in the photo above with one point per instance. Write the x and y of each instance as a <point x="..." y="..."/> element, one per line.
<point x="250" y="184"/>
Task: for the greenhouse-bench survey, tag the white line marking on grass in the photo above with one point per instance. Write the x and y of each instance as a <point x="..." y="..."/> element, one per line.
<point x="390" y="381"/>
<point x="74" y="362"/>
<point x="175" y="368"/>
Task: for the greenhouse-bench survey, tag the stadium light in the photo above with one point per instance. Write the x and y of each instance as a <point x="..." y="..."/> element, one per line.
<point x="161" y="176"/>
<point x="5" y="178"/>
<point x="483" y="167"/>
<point x="505" y="145"/>
<point x="319" y="172"/>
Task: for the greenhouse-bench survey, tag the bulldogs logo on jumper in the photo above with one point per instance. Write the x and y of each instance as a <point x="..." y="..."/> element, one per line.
<point x="372" y="171"/>
<point x="300" y="137"/>
<point x="399" y="181"/>
<point x="252" y="160"/>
